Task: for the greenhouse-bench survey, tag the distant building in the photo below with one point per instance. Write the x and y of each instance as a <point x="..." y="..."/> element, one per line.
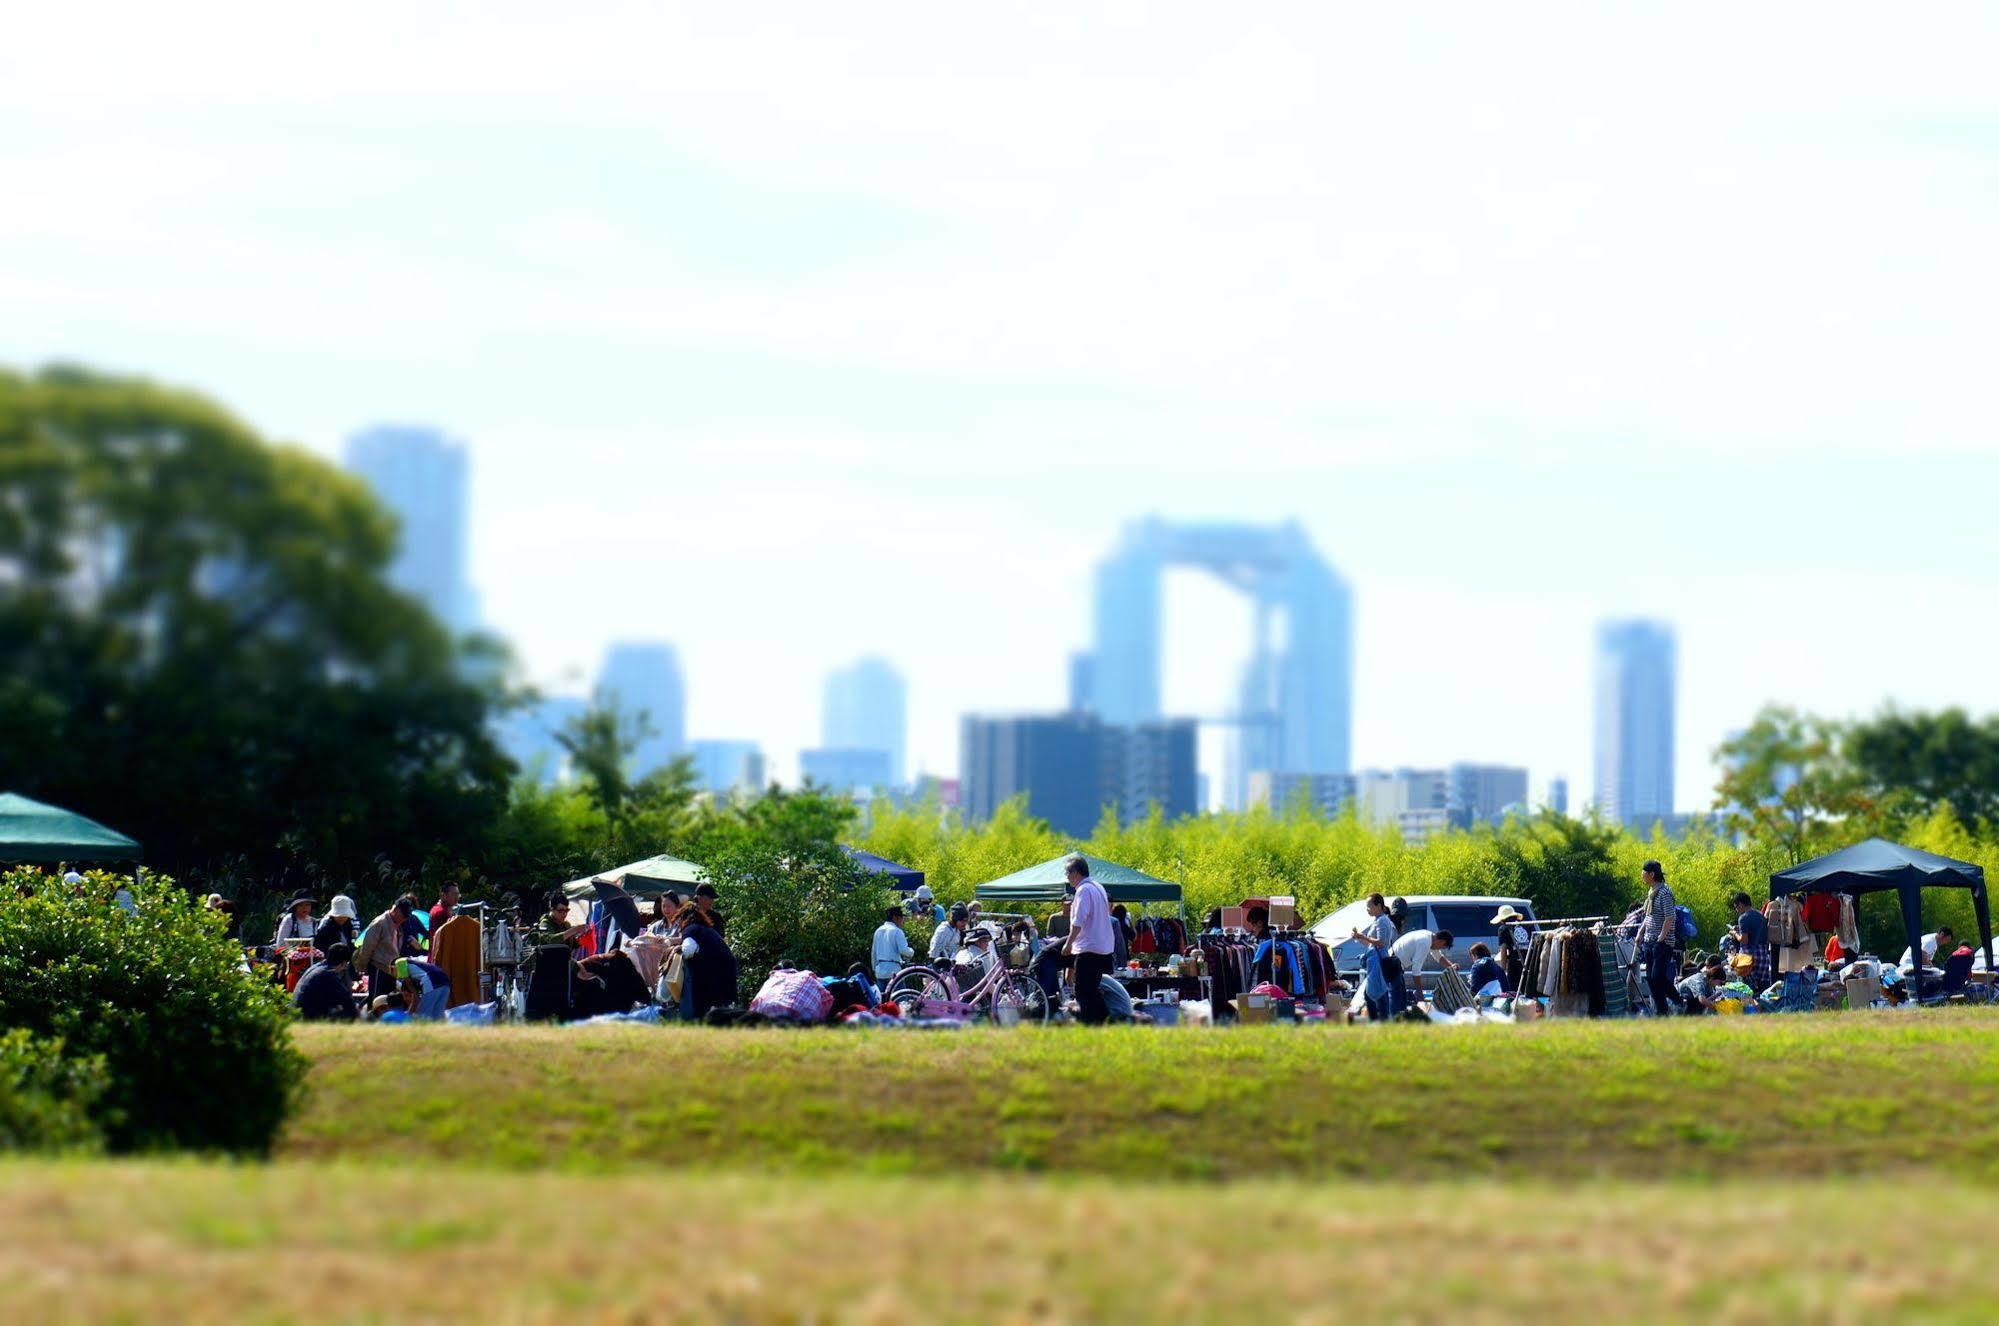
<point x="424" y="478"/>
<point x="1148" y="763"/>
<point x="1385" y="794"/>
<point x="643" y="677"/>
<point x="1071" y="766"/>
<point x="1419" y="825"/>
<point x="1329" y="794"/>
<point x="847" y="769"/>
<point x="1484" y="793"/>
<point x="1082" y="682"/>
<point x="725" y="767"/>
<point x="1558" y="795"/>
<point x="528" y="736"/>
<point x="865" y="707"/>
<point x="1636" y="665"/>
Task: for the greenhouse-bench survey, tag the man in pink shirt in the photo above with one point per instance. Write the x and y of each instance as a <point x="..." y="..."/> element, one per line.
<point x="1090" y="941"/>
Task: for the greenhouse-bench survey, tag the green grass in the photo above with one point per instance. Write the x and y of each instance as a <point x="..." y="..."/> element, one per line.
<point x="1845" y="1095"/>
<point x="286" y="1243"/>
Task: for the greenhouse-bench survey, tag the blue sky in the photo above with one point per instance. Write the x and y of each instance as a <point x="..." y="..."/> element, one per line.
<point x="805" y="332"/>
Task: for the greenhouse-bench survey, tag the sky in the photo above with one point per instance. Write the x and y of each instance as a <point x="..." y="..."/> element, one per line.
<point x="793" y="333"/>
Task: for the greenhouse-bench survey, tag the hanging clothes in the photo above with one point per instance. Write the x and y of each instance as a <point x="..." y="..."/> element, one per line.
<point x="1848" y="932"/>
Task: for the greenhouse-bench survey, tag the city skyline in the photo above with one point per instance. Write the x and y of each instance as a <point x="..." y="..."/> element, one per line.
<point x="1522" y="342"/>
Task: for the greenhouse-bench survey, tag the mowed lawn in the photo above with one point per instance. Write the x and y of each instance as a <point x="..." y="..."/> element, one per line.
<point x="286" y="1243"/>
<point x="1843" y="1096"/>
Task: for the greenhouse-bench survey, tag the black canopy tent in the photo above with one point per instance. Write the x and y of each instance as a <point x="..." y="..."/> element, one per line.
<point x="1877" y="865"/>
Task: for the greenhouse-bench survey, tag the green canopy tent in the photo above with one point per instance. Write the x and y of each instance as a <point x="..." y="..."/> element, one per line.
<point x="38" y="834"/>
<point x="644" y="879"/>
<point x="1045" y="883"/>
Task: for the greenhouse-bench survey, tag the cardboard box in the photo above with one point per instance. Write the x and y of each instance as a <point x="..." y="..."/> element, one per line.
<point x="1252" y="1009"/>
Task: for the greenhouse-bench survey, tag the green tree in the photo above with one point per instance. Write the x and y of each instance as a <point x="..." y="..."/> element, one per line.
<point x="1786" y="784"/>
<point x="1567" y="867"/>
<point x="1924" y="762"/>
<point x="200" y="645"/>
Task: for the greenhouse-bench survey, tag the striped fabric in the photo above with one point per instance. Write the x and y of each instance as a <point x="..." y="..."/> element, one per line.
<point x="1616" y="993"/>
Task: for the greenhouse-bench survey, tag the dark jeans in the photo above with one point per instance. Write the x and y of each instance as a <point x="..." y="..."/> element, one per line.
<point x="1091" y="968"/>
<point x="1048" y="970"/>
<point x="1662" y="974"/>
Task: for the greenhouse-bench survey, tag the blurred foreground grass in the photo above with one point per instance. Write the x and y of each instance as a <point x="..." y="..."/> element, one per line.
<point x="1835" y="1095"/>
<point x="188" y="1242"/>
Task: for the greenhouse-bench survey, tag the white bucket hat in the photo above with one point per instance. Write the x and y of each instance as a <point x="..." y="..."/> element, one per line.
<point x="343" y="906"/>
<point x="1506" y="914"/>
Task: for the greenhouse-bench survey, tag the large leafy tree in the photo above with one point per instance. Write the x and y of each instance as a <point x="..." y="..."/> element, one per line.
<point x="1930" y="761"/>
<point x="1787" y="785"/>
<point x="199" y="644"/>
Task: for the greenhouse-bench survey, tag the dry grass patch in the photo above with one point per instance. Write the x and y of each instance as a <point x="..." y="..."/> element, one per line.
<point x="103" y="1242"/>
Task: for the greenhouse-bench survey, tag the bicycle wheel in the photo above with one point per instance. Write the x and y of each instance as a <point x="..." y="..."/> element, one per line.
<point x="1023" y="997"/>
<point x="913" y="985"/>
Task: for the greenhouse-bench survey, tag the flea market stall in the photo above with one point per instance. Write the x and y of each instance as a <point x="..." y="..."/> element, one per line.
<point x="1878" y="866"/>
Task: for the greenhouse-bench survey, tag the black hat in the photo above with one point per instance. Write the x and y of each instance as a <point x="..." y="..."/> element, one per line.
<point x="300" y="897"/>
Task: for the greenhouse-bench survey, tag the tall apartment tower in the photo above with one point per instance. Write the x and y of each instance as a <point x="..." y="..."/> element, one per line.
<point x="865" y="708"/>
<point x="644" y="676"/>
<point x="1636" y="666"/>
<point x="425" y="479"/>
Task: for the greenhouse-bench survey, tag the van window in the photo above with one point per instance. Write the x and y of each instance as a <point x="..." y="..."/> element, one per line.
<point x="1465" y="918"/>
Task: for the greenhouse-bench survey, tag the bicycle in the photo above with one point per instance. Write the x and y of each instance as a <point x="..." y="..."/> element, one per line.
<point x="1002" y="994"/>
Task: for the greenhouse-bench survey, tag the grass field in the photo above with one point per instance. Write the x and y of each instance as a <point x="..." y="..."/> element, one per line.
<point x="1827" y="1169"/>
<point x="289" y="1243"/>
<point x="1843" y="1096"/>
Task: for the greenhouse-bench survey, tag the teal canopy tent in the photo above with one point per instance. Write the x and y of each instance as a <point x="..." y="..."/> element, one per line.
<point x="644" y="879"/>
<point x="1044" y="883"/>
<point x="34" y="833"/>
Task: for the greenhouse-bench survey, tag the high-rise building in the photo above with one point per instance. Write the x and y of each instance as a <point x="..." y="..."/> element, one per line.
<point x="1153" y="764"/>
<point x="865" y="708"/>
<point x="1558" y="795"/>
<point x="424" y="478"/>
<point x="1483" y="793"/>
<point x="1082" y="682"/>
<point x="1329" y="794"/>
<point x="854" y="770"/>
<point x="643" y="678"/>
<point x="1295" y="707"/>
<point x="1636" y="663"/>
<point x="1071" y="766"/>
<point x="723" y="767"/>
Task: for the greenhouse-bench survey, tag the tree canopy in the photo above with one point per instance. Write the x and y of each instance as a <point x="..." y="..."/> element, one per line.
<point x="200" y="645"/>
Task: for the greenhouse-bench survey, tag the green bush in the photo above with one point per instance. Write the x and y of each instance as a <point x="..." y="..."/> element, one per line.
<point x="197" y="1053"/>
<point x="47" y="1099"/>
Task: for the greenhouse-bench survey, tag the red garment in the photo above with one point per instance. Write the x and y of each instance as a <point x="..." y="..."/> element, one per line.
<point x="1833" y="952"/>
<point x="1821" y="912"/>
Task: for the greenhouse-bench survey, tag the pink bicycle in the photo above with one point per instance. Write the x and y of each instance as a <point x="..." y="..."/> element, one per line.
<point x="1002" y="994"/>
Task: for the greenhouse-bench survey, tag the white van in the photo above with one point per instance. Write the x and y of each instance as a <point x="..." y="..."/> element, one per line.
<point x="1468" y="917"/>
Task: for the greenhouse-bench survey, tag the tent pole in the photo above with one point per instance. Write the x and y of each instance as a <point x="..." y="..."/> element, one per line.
<point x="1982" y="905"/>
<point x="1912" y="922"/>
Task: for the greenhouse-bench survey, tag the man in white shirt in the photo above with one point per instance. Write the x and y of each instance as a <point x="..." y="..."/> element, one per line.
<point x="949" y="937"/>
<point x="1090" y="942"/>
<point x="891" y="946"/>
<point x="1415" y="949"/>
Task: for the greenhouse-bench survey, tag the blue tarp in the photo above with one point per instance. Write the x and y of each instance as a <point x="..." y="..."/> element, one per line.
<point x="906" y="878"/>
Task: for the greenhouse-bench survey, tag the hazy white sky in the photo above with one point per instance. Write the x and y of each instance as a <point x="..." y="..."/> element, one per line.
<point x="794" y="333"/>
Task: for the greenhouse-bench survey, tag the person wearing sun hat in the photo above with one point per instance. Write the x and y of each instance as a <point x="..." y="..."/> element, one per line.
<point x="340" y="925"/>
<point x="297" y="922"/>
<point x="1513" y="939"/>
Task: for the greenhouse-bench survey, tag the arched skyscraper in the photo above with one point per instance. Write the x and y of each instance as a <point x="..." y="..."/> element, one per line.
<point x="1295" y="710"/>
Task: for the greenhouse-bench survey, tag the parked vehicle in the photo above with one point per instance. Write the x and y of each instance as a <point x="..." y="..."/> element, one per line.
<point x="1468" y="917"/>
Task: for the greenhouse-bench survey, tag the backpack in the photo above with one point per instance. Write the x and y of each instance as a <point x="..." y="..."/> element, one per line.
<point x="1686" y="929"/>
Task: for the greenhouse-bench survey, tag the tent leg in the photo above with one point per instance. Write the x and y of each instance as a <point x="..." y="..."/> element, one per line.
<point x="1912" y="922"/>
<point x="1983" y="907"/>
